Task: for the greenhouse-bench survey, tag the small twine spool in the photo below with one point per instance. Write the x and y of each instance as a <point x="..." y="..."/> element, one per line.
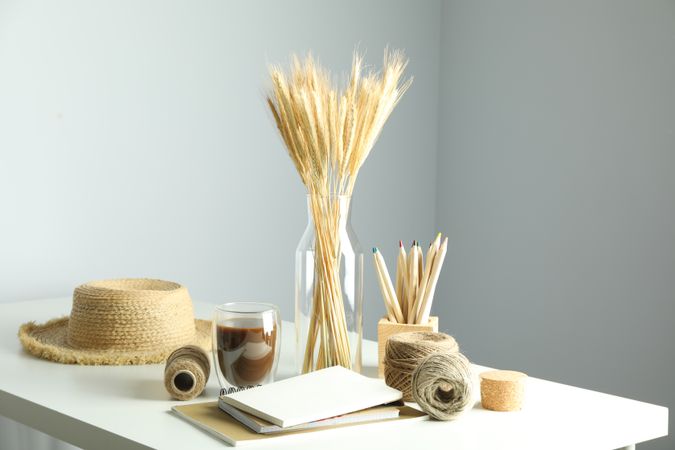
<point x="405" y="351"/>
<point x="442" y="385"/>
<point x="186" y="372"/>
<point x="502" y="390"/>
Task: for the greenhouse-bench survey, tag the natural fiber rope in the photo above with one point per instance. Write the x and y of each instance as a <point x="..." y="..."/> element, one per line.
<point x="186" y="372"/>
<point x="404" y="352"/>
<point x="442" y="385"/>
<point x="130" y="314"/>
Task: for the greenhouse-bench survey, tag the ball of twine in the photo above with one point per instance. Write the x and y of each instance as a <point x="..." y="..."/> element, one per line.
<point x="442" y="385"/>
<point x="404" y="352"/>
<point x="186" y="372"/>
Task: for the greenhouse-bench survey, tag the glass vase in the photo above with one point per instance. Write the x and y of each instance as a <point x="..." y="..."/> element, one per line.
<point x="328" y="288"/>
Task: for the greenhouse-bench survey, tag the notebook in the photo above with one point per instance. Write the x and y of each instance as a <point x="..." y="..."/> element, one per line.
<point x="208" y="417"/>
<point x="313" y="396"/>
<point x="262" y="426"/>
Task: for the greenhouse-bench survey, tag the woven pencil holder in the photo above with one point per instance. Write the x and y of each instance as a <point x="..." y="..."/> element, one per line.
<point x="131" y="314"/>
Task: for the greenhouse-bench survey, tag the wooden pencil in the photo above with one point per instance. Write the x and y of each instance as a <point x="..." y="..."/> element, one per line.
<point x="400" y="270"/>
<point x="420" y="264"/>
<point x="389" y="286"/>
<point x="437" y="242"/>
<point x="425" y="308"/>
<point x="420" y="273"/>
<point x="413" y="261"/>
<point x="383" y="289"/>
<point x="404" y="275"/>
<point x="431" y="253"/>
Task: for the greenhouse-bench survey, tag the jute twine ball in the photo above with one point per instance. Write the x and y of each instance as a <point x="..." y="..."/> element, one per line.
<point x="502" y="390"/>
<point x="405" y="351"/>
<point x="442" y="385"/>
<point x="186" y="372"/>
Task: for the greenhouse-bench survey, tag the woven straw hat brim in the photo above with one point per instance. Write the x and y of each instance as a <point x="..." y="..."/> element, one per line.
<point x="49" y="341"/>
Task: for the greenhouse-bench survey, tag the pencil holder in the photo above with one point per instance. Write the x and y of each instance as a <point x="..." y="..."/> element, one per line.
<point x="386" y="329"/>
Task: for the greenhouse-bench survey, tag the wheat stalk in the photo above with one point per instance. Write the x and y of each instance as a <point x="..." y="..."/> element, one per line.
<point x="329" y="133"/>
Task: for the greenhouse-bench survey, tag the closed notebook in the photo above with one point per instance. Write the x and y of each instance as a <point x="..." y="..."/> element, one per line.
<point x="313" y="396"/>
<point x="259" y="425"/>
<point x="208" y="417"/>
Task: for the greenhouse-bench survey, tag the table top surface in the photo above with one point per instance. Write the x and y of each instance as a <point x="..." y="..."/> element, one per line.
<point x="127" y="406"/>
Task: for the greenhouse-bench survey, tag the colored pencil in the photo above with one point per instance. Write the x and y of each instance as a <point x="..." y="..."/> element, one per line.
<point x="388" y="287"/>
<point x="425" y="308"/>
<point x="431" y="253"/>
<point x="410" y="297"/>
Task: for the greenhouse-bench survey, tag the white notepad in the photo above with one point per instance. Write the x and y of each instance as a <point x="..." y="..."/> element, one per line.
<point x="314" y="396"/>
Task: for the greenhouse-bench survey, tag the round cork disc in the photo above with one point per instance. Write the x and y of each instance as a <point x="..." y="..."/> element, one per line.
<point x="502" y="390"/>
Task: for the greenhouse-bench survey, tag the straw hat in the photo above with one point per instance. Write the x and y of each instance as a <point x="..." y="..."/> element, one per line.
<point x="115" y="322"/>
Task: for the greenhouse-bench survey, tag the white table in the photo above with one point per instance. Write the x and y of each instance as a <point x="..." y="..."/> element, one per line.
<point x="126" y="407"/>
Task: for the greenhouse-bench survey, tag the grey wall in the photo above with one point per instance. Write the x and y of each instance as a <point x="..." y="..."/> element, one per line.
<point x="556" y="183"/>
<point x="135" y="142"/>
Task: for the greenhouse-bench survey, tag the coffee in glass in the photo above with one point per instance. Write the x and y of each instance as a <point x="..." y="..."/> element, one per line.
<point x="246" y="343"/>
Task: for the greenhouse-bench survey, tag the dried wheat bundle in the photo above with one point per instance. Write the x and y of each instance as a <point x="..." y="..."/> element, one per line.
<point x="329" y="133"/>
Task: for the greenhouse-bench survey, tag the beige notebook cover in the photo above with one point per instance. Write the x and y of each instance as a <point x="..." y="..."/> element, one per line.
<point x="313" y="396"/>
<point x="220" y="424"/>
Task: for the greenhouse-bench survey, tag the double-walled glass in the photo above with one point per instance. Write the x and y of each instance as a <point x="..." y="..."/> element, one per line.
<point x="246" y="343"/>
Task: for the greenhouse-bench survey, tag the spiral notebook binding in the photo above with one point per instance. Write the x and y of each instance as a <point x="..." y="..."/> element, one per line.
<point x="233" y="389"/>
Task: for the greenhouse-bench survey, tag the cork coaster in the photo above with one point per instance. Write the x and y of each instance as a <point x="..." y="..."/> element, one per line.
<point x="502" y="390"/>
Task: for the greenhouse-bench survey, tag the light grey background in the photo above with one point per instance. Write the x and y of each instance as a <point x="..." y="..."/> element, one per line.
<point x="556" y="183"/>
<point x="135" y="142"/>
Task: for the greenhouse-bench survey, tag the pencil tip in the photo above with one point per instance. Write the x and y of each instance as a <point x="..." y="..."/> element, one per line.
<point x="400" y="243"/>
<point x="374" y="249"/>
